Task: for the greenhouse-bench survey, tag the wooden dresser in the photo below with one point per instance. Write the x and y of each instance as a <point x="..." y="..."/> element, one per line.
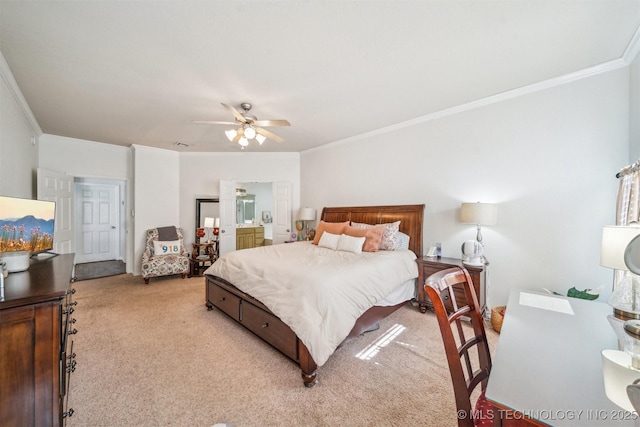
<point x="36" y="357"/>
<point x="427" y="266"/>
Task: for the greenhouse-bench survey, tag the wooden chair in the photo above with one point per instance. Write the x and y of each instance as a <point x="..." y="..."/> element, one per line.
<point x="460" y="320"/>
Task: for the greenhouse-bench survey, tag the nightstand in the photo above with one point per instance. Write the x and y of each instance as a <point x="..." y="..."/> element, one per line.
<point x="428" y="266"/>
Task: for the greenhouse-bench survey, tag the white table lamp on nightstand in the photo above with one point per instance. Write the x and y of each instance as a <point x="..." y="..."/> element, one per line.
<point x="306" y="215"/>
<point x="479" y="214"/>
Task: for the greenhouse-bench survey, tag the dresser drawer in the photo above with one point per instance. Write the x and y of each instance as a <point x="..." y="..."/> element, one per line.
<point x="224" y="300"/>
<point x="270" y="328"/>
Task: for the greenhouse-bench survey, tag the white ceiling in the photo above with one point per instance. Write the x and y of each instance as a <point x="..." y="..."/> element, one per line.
<point x="125" y="72"/>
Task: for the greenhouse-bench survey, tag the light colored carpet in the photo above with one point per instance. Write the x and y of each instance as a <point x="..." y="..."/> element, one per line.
<point x="152" y="355"/>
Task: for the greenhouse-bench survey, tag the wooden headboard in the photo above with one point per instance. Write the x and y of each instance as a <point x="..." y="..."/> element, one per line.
<point x="410" y="217"/>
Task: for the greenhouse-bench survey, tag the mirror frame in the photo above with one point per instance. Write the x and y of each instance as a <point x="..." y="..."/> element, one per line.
<point x="198" y="210"/>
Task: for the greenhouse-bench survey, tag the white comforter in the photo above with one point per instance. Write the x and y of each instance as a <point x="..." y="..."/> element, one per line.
<point x="319" y="293"/>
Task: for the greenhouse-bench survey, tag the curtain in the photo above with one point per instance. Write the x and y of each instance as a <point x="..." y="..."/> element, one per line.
<point x="627" y="209"/>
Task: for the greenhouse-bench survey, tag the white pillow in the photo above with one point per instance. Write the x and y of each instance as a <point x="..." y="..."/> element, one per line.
<point x="350" y="243"/>
<point x="166" y="248"/>
<point x="403" y="241"/>
<point x="329" y="240"/>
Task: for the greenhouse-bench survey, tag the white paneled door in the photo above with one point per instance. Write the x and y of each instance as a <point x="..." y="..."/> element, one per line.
<point x="282" y="212"/>
<point x="227" y="236"/>
<point x="58" y="187"/>
<point x="97" y="222"/>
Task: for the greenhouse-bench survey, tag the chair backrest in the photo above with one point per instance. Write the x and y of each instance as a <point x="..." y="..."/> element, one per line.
<point x="462" y="328"/>
<point x="152" y="235"/>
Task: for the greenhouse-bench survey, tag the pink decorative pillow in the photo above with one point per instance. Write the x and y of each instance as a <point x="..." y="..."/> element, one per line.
<point x="331" y="227"/>
<point x="389" y="234"/>
<point x="373" y="237"/>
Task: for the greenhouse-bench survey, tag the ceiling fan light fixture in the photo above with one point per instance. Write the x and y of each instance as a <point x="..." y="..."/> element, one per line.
<point x="243" y="141"/>
<point x="260" y="139"/>
<point x="231" y="134"/>
<point x="249" y="132"/>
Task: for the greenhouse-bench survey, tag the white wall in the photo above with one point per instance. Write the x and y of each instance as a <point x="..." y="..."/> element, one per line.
<point x="634" y="111"/>
<point x="89" y="159"/>
<point x="200" y="175"/>
<point x="18" y="157"/>
<point x="156" y="194"/>
<point x="548" y="159"/>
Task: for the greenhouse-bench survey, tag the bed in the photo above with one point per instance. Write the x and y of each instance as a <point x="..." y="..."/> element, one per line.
<point x="239" y="290"/>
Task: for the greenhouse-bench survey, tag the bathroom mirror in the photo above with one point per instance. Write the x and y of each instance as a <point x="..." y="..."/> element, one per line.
<point x="246" y="209"/>
<point x="206" y="208"/>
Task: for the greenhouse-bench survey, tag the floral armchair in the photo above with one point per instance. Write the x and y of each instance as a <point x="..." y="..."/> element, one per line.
<point x="164" y="258"/>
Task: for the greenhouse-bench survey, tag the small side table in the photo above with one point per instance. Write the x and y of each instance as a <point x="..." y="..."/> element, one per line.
<point x="427" y="266"/>
<point x="202" y="256"/>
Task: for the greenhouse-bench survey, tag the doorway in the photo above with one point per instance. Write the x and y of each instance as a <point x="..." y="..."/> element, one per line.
<point x="99" y="228"/>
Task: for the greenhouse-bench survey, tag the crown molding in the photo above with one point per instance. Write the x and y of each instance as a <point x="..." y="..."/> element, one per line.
<point x="631" y="52"/>
<point x="14" y="89"/>
<point x="605" y="67"/>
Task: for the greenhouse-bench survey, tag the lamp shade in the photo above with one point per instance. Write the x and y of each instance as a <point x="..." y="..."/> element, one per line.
<point x="231" y="134"/>
<point x="615" y="239"/>
<point x="307" y="214"/>
<point x="208" y="222"/>
<point x="479" y="213"/>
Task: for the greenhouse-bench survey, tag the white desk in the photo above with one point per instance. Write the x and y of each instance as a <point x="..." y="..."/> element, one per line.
<point x="548" y="363"/>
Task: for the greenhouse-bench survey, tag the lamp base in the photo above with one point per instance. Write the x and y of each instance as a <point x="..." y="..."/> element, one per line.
<point x="625" y="315"/>
<point x="475" y="262"/>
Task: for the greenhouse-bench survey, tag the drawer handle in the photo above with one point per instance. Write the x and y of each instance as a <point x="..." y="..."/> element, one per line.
<point x="222" y="299"/>
<point x="265" y="325"/>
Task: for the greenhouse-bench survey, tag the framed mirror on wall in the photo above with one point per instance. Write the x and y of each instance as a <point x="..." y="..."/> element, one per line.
<point x="206" y="208"/>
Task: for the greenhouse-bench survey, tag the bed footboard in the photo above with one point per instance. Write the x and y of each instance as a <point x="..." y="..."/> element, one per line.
<point x="256" y="317"/>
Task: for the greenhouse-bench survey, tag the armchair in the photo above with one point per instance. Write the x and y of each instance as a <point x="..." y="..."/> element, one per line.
<point x="159" y="264"/>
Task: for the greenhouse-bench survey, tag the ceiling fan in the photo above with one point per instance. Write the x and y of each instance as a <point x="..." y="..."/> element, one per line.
<point x="250" y="126"/>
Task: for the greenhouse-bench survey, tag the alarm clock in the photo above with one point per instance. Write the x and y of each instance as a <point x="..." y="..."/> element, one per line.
<point x="472" y="252"/>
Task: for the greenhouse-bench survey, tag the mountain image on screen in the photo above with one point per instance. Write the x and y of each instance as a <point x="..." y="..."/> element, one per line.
<point x="26" y="234"/>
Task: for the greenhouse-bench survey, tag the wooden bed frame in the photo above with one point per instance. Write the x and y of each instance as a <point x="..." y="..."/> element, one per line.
<point x="256" y="317"/>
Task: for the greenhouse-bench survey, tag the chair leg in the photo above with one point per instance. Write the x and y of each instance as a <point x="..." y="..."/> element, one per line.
<point x="184" y="275"/>
<point x="146" y="280"/>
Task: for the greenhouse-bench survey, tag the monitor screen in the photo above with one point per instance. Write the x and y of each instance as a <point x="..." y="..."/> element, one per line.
<point x="26" y="225"/>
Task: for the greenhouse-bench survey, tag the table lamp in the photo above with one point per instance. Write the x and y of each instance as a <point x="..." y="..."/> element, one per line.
<point x="479" y="214"/>
<point x="208" y="225"/>
<point x="625" y="298"/>
<point x="216" y="227"/>
<point x="620" y="250"/>
<point x="306" y="215"/>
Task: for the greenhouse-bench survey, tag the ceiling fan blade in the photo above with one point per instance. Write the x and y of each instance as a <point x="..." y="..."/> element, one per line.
<point x="239" y="117"/>
<point x="268" y="134"/>
<point x="239" y="135"/>
<point x="271" y="123"/>
<point x="209" y="122"/>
